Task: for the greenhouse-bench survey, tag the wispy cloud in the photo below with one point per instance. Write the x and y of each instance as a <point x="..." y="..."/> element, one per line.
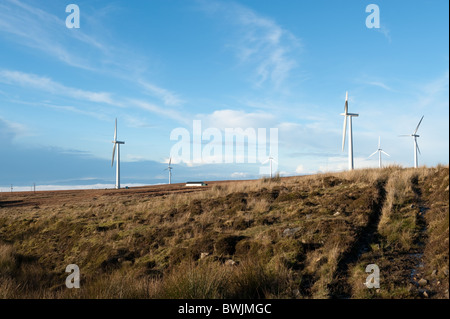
<point x="380" y="84"/>
<point x="40" y="30"/>
<point x="259" y="42"/>
<point x="169" y="98"/>
<point x="10" y="130"/>
<point x="48" y="85"/>
<point x="385" y="31"/>
<point x="158" y="110"/>
<point x="45" y="84"/>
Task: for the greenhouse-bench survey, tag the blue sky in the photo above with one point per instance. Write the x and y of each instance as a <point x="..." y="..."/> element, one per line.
<point x="158" y="65"/>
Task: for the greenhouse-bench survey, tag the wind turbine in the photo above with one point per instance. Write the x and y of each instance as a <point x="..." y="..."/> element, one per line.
<point x="116" y="143"/>
<point x="379" y="150"/>
<point x="169" y="168"/>
<point x="270" y="159"/>
<point x="416" y="146"/>
<point x="350" y="132"/>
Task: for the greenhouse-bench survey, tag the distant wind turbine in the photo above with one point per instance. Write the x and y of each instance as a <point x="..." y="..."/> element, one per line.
<point x="169" y="168"/>
<point x="350" y="132"/>
<point x="379" y="151"/>
<point x="416" y="146"/>
<point x="270" y="159"/>
<point x="116" y="143"/>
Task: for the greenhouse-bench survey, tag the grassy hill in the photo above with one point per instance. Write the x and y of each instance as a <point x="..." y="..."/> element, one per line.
<point x="296" y="237"/>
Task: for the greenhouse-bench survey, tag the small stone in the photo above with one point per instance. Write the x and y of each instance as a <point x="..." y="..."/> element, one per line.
<point x="203" y="255"/>
<point x="434" y="273"/>
<point x="447" y="188"/>
<point x="288" y="232"/>
<point x="230" y="262"/>
<point x="336" y="214"/>
<point x="446" y="272"/>
<point x="424" y="294"/>
<point x="423" y="282"/>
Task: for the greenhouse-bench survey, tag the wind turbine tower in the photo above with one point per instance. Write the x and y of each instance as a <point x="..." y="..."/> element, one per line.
<point x="350" y="132"/>
<point x="270" y="160"/>
<point x="379" y="151"/>
<point x="416" y="145"/>
<point x="116" y="143"/>
<point x="169" y="168"/>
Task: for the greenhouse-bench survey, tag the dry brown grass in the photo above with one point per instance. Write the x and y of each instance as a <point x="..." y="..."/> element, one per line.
<point x="287" y="237"/>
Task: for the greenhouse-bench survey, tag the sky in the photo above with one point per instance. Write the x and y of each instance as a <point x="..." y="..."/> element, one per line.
<point x="159" y="65"/>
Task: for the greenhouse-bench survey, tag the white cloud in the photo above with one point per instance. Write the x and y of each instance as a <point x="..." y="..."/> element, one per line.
<point x="300" y="169"/>
<point x="222" y="119"/>
<point x="239" y="175"/>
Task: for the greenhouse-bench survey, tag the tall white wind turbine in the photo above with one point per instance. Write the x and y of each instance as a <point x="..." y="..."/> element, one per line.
<point x="116" y="143"/>
<point x="350" y="132"/>
<point x="270" y="160"/>
<point x="169" y="168"/>
<point x="416" y="146"/>
<point x="379" y="151"/>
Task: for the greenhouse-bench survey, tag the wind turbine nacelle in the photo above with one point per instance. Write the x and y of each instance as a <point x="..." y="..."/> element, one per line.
<point x="118" y="142"/>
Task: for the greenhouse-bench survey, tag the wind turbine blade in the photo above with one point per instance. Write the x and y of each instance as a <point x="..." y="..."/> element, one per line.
<point x="385" y="153"/>
<point x="373" y="153"/>
<point x="344" y="131"/>
<point x="266" y="161"/>
<point x="115" y="132"/>
<point x="273" y="160"/>
<point x="113" y="154"/>
<point x="379" y="142"/>
<point x="418" y="124"/>
<point x="404" y="135"/>
<point x="418" y="149"/>
<point x="346" y="103"/>
<point x="170" y="161"/>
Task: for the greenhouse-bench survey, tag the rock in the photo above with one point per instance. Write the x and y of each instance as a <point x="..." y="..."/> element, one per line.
<point x="446" y="272"/>
<point x="203" y="255"/>
<point x="336" y="214"/>
<point x="422" y="282"/>
<point x="434" y="273"/>
<point x="288" y="232"/>
<point x="230" y="262"/>
<point x="423" y="293"/>
<point x="447" y="188"/>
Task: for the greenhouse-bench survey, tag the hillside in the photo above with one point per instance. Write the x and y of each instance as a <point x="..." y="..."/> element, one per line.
<point x="296" y="237"/>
